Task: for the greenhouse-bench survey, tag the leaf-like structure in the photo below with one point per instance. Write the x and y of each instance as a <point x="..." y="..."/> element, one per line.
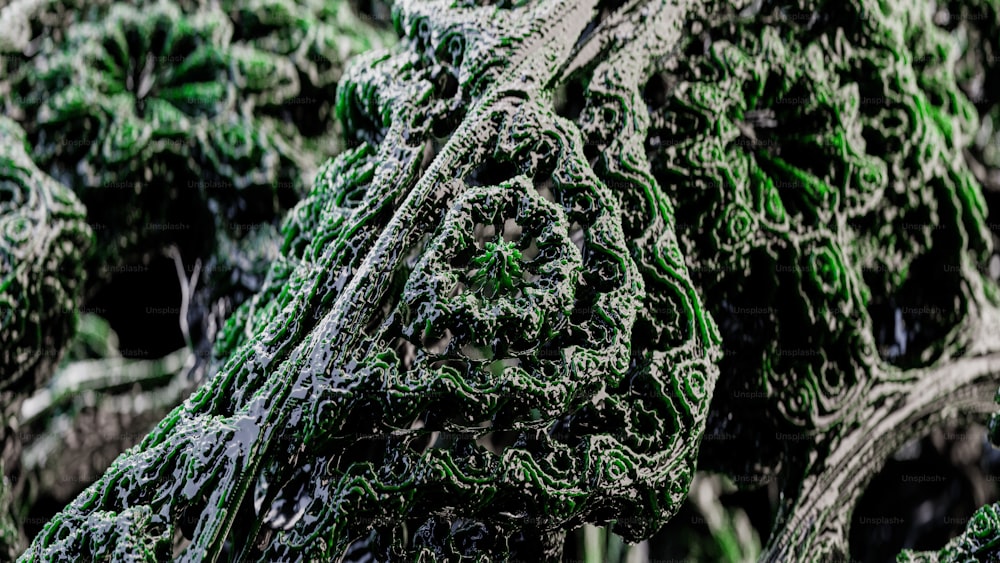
<point x="815" y="151"/>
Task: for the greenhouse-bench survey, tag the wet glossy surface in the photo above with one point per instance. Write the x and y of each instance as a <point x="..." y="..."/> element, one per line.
<point x="494" y="317"/>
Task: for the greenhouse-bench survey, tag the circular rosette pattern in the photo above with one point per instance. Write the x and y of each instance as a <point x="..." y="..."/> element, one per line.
<point x="141" y="105"/>
<point x="500" y="274"/>
<point x="154" y="94"/>
<point x="119" y="86"/>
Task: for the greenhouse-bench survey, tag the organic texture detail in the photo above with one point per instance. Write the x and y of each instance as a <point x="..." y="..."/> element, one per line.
<point x="43" y="238"/>
<point x="836" y="236"/>
<point x="144" y="105"/>
<point x="980" y="541"/>
<point x="536" y="349"/>
<point x="174" y="128"/>
<point x="205" y="118"/>
<point x="564" y="241"/>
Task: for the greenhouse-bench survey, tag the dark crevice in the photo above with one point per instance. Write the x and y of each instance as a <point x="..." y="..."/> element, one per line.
<point x="925" y="494"/>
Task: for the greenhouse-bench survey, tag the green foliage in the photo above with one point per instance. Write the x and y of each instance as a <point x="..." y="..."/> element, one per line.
<point x="559" y="376"/>
<point x="148" y="104"/>
<point x="174" y="123"/>
<point x="829" y="228"/>
<point x="976" y="23"/>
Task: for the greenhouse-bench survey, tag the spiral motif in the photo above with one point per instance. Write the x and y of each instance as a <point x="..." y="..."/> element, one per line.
<point x="43" y="240"/>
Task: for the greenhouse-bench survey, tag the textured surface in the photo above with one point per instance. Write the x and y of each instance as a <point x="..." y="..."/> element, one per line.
<point x="177" y="124"/>
<point x="831" y="247"/>
<point x="564" y="241"/>
<point x="976" y="25"/>
<point x="43" y="237"/>
<point x="979" y="542"/>
<point x="182" y="123"/>
<point x="303" y="388"/>
<point x="838" y="237"/>
<point x="145" y="105"/>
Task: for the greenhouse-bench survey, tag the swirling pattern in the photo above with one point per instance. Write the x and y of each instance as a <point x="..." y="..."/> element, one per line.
<point x="44" y="239"/>
<point x="512" y="320"/>
<point x="820" y="173"/>
<point x="803" y="176"/>
<point x="503" y="313"/>
<point x="144" y="103"/>
<point x="979" y="542"/>
<point x="172" y="126"/>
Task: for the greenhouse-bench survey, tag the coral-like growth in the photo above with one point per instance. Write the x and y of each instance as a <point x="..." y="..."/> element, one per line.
<point x="564" y="242"/>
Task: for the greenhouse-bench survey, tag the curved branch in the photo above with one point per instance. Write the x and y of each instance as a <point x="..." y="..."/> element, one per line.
<point x="815" y="525"/>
